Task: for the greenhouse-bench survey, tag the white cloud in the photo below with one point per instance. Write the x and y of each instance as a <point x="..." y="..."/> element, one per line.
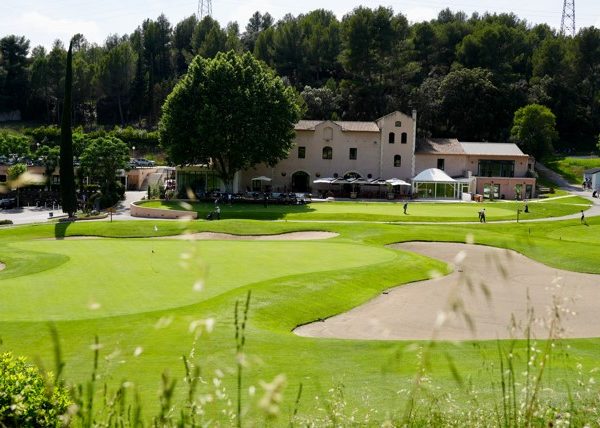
<point x="43" y="29"/>
<point x="421" y="13"/>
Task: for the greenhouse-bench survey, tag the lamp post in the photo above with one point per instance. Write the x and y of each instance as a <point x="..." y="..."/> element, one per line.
<point x="133" y="152"/>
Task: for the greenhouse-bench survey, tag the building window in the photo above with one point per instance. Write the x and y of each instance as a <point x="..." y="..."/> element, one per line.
<point x="327" y="152"/>
<point x="391" y="138"/>
<point x="301" y="152"/>
<point x="496" y="168"/>
<point x="353" y="153"/>
<point x="403" y="138"/>
<point x="397" y="160"/>
<point x="398" y="124"/>
<point x="440" y="164"/>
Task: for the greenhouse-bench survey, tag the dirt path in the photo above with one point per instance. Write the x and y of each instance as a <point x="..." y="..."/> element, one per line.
<point x="421" y="310"/>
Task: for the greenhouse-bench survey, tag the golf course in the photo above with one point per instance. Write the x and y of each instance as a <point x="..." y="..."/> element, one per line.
<point x="151" y="306"/>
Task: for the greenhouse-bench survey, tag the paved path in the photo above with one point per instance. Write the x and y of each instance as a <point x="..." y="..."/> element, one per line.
<point x="556" y="178"/>
<point x="27" y="215"/>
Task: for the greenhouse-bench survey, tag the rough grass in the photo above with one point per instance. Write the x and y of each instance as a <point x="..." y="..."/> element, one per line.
<point x="572" y="168"/>
<point x="138" y="346"/>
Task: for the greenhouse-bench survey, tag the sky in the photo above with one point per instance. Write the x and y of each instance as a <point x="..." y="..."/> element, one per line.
<point x="43" y="21"/>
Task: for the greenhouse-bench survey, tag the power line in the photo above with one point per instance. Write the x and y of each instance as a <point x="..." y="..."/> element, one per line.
<point x="567" y="23"/>
<point x="204" y="9"/>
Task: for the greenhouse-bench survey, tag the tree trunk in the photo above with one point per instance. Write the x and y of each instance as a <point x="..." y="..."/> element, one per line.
<point x="120" y="110"/>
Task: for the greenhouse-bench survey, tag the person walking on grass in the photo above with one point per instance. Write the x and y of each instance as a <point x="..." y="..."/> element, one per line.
<point x="482" y="216"/>
<point x="405" y="207"/>
<point x="583" y="217"/>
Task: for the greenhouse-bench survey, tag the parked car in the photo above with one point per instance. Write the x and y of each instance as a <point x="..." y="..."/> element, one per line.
<point x="8" y="203"/>
<point x="144" y="162"/>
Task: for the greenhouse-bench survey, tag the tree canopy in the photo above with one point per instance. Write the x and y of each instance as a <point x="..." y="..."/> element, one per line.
<point x="372" y="59"/>
<point x="102" y="158"/>
<point x="534" y="128"/>
<point x="231" y="111"/>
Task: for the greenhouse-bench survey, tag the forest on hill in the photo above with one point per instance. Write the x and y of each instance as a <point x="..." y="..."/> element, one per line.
<point x="465" y="75"/>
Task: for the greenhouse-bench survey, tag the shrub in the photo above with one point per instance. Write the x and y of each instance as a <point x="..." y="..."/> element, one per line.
<point x="6" y="221"/>
<point x="25" y="397"/>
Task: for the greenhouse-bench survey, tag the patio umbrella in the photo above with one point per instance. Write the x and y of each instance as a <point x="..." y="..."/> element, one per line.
<point x="262" y="179"/>
<point x="326" y="180"/>
<point x="397" y="182"/>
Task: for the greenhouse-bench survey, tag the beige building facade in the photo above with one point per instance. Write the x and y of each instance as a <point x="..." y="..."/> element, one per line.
<point x="370" y="150"/>
<point x="388" y="148"/>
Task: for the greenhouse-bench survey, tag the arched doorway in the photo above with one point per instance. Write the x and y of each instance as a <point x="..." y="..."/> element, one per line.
<point x="300" y="181"/>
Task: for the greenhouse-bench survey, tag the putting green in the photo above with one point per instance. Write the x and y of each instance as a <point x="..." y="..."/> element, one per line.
<point x="108" y="277"/>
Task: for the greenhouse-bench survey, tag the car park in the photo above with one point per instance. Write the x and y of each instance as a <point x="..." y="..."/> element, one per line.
<point x="8" y="203"/>
<point x="141" y="162"/>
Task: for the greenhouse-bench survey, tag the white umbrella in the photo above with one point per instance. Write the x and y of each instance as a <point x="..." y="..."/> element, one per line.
<point x="326" y="180"/>
<point x="261" y="178"/>
<point x="397" y="182"/>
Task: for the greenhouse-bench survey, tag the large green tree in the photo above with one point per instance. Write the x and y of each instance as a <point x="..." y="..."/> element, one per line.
<point x="67" y="174"/>
<point x="231" y="110"/>
<point x="101" y="160"/>
<point x="13" y="62"/>
<point x="534" y="128"/>
<point x="467" y="100"/>
<point x="117" y="71"/>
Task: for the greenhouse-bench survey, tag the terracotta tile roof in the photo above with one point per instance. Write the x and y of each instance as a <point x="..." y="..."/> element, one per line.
<point x="347" y="126"/>
<point x="307" y="125"/>
<point x="439" y="146"/>
<point x="358" y="126"/>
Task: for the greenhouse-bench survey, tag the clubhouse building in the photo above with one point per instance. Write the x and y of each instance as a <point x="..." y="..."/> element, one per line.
<point x="368" y="159"/>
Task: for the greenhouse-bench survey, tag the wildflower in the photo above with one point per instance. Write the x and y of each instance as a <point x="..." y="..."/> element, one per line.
<point x="273" y="395"/>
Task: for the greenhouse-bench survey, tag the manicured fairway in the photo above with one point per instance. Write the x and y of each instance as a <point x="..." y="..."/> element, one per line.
<point x="387" y="211"/>
<point x="107" y="277"/>
<point x="144" y="330"/>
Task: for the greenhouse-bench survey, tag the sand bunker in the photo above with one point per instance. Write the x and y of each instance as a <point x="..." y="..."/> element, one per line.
<point x="292" y="236"/>
<point x="491" y="284"/>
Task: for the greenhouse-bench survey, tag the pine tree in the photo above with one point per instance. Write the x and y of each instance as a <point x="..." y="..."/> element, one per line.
<point x="67" y="175"/>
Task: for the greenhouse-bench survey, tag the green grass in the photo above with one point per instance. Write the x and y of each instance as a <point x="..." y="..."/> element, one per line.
<point x="147" y="303"/>
<point x="383" y="211"/>
<point x="572" y="168"/>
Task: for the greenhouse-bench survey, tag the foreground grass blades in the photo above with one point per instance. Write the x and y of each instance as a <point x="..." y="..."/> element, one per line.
<point x="145" y="331"/>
